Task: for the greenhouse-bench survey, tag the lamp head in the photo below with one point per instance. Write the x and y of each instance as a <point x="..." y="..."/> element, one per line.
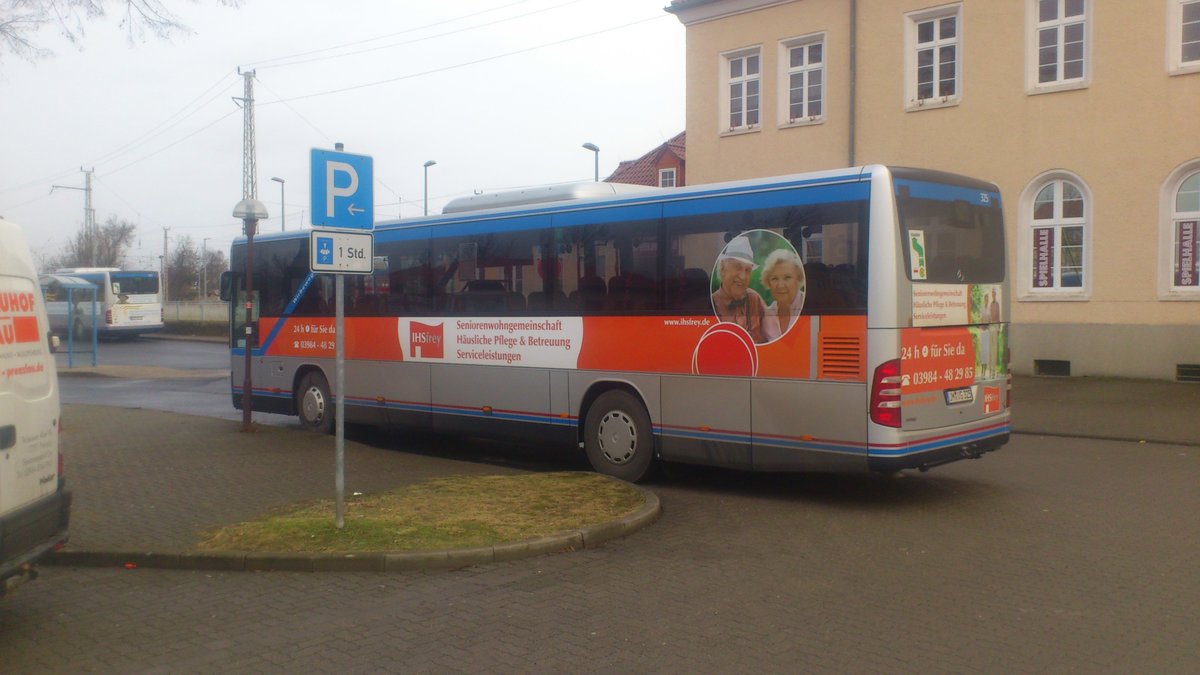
<point x="250" y="209"/>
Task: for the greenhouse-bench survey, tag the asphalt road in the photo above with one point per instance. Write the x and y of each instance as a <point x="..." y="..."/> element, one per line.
<point x="201" y="393"/>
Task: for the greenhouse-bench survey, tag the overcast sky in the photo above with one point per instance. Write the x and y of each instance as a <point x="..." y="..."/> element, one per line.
<point x="497" y="106"/>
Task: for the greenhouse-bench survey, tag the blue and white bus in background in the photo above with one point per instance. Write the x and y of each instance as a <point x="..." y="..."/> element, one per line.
<point x="129" y="302"/>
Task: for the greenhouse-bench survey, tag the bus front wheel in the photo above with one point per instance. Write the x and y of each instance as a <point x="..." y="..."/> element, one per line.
<point x="618" y="438"/>
<point x="314" y="404"/>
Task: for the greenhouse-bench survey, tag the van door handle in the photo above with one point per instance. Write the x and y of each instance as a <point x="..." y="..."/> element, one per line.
<point x="8" y="436"/>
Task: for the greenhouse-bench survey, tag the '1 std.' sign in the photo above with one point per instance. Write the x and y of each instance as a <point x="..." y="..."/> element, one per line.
<point x="341" y="251"/>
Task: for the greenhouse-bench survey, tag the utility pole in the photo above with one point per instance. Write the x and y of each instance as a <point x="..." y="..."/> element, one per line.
<point x="90" y="231"/>
<point x="165" y="265"/>
<point x="249" y="161"/>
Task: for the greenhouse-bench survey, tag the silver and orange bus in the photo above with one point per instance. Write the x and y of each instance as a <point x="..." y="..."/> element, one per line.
<point x="848" y="320"/>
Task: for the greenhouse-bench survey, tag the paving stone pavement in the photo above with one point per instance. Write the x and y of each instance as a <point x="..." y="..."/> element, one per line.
<point x="1052" y="555"/>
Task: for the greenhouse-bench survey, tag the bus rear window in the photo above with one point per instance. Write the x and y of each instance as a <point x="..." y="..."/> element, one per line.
<point x="134" y="283"/>
<point x="951" y="234"/>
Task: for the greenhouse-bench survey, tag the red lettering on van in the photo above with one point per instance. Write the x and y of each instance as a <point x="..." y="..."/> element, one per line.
<point x="18" y="329"/>
<point x="12" y="302"/>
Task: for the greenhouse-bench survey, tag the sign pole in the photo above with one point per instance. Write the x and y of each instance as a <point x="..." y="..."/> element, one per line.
<point x="343" y="201"/>
<point x="340" y="380"/>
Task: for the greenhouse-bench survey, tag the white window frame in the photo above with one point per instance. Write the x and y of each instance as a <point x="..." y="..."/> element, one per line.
<point x="725" y="81"/>
<point x="1175" y="63"/>
<point x="663" y="173"/>
<point x="1026" y="291"/>
<point x="784" y="107"/>
<point x="1032" y="31"/>
<point x="1167" y="217"/>
<point x="912" y="21"/>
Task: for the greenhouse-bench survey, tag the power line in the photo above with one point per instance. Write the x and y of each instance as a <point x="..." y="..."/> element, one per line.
<point x="465" y="63"/>
<point x="422" y="39"/>
<point x="381" y="37"/>
<point x="120" y="150"/>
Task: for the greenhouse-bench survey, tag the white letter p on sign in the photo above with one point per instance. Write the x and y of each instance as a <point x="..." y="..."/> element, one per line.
<point x="331" y="189"/>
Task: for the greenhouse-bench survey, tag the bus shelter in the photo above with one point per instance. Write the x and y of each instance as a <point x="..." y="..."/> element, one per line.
<point x="72" y="307"/>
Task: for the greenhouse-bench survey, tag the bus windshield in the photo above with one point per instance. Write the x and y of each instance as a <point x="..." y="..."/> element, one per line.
<point x="954" y="234"/>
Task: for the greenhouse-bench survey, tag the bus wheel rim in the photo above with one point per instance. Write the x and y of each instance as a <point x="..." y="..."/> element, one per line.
<point x="618" y="437"/>
<point x="314" y="404"/>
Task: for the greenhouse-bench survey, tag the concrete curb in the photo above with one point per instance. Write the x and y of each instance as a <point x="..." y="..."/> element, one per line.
<point x="408" y="561"/>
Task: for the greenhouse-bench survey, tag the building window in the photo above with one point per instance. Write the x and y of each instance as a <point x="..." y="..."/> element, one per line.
<point x="1059" y="43"/>
<point x="802" y="86"/>
<point x="1179" y="276"/>
<point x="742" y="81"/>
<point x="933" y="57"/>
<point x="1183" y="36"/>
<point x="1055" y="238"/>
<point x="666" y="178"/>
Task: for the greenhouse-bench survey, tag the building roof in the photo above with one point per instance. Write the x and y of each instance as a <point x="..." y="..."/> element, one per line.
<point x="644" y="169"/>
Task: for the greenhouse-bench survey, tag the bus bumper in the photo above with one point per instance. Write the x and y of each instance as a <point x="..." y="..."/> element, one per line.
<point x="927" y="453"/>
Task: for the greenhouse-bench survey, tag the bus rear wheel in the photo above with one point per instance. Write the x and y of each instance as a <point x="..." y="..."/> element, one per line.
<point x="618" y="438"/>
<point x="314" y="404"/>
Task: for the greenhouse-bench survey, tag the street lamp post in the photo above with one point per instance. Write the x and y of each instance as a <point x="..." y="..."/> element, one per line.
<point x="282" y="213"/>
<point x="427" y="165"/>
<point x="596" y="151"/>
<point x="250" y="211"/>
<point x="204" y="269"/>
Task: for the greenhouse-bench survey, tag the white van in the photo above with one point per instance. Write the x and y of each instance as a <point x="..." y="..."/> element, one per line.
<point x="35" y="507"/>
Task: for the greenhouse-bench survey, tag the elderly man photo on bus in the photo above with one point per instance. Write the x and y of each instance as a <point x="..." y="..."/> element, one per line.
<point x="735" y="301"/>
<point x="783" y="275"/>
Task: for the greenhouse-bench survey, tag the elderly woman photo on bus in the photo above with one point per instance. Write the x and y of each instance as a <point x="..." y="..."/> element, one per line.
<point x="783" y="275"/>
<point x="734" y="301"/>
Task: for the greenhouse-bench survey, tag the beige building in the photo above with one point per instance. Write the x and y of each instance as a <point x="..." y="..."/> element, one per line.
<point x="1086" y="113"/>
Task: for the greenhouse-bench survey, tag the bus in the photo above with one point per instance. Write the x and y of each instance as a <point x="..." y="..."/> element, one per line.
<point x="849" y="320"/>
<point x="128" y="302"/>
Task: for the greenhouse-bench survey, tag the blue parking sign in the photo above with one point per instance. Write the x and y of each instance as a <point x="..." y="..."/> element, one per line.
<point x="342" y="191"/>
<point x="324" y="250"/>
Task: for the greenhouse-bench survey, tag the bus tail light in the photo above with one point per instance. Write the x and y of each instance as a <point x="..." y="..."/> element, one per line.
<point x="885" y="394"/>
<point x="108" y="316"/>
<point x="1008" y="379"/>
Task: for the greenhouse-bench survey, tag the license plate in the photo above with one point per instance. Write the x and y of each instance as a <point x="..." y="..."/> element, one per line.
<point x="962" y="395"/>
<point x="136" y="318"/>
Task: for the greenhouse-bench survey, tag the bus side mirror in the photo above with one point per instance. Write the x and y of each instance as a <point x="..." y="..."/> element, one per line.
<point x="226" y="291"/>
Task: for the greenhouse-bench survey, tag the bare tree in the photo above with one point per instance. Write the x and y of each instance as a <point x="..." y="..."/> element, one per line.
<point x="183" y="271"/>
<point x="214" y="264"/>
<point x="106" y="247"/>
<point x="21" y="19"/>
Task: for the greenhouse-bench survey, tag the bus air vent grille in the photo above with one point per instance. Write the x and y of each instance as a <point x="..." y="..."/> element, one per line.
<point x="840" y="357"/>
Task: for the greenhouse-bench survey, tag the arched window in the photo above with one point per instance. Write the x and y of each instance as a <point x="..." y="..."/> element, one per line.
<point x="1185" y="226"/>
<point x="1055" y="212"/>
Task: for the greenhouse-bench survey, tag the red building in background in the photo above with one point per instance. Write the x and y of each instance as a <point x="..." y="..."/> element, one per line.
<point x="661" y="167"/>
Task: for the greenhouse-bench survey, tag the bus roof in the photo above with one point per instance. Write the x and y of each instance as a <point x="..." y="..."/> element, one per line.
<point x="542" y="194"/>
<point x="566" y="197"/>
